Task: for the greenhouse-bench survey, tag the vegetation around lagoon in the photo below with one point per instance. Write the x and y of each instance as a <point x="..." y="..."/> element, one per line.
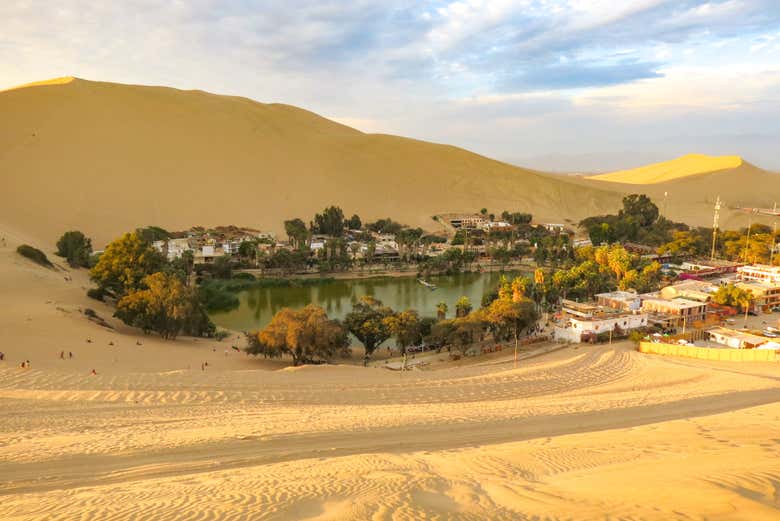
<point x="35" y="255"/>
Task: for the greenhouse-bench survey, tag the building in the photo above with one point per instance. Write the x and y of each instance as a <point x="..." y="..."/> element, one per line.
<point x="673" y="312"/>
<point x="553" y="227"/>
<point x="708" y="268"/>
<point x="760" y="273"/>
<point x="581" y="322"/>
<point x="620" y="300"/>
<point x="736" y="339"/>
<point x="207" y="254"/>
<point x="765" y="296"/>
<point x="172" y="248"/>
<point x="690" y="289"/>
<point x="468" y="221"/>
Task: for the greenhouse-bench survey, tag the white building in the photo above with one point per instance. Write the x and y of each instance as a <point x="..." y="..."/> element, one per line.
<point x="577" y="329"/>
<point x="760" y="273"/>
<point x="736" y="339"/>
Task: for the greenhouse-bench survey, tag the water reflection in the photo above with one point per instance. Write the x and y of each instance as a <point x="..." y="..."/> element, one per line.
<point x="258" y="305"/>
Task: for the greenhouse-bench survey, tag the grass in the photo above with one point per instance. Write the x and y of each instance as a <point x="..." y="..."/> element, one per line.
<point x="35" y="255"/>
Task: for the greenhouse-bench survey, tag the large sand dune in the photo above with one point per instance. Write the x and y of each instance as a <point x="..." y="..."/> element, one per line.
<point x="685" y="166"/>
<point x="581" y="433"/>
<point x="105" y="158"/>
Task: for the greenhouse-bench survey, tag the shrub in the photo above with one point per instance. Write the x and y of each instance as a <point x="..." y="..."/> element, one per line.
<point x="34" y="254"/>
<point x="244" y="276"/>
<point x="90" y="313"/>
<point x="96" y="293"/>
<point x="76" y="248"/>
<point x="221" y="334"/>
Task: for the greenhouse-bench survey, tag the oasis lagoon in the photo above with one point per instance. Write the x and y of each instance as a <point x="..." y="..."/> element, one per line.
<point x="258" y="305"/>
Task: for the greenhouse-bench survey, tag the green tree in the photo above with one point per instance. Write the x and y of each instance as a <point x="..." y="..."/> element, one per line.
<point x="124" y="264"/>
<point x="330" y="222"/>
<point x="367" y="322"/>
<point x="354" y="223"/>
<point x="307" y="335"/>
<point x="76" y="248"/>
<point x="297" y="233"/>
<point x="511" y="317"/>
<point x="640" y="207"/>
<point x="463" y="307"/>
<point x="441" y="310"/>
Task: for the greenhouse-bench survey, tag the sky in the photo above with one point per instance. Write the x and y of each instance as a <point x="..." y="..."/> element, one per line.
<point x="566" y="85"/>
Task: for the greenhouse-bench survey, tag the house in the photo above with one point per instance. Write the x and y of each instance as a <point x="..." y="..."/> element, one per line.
<point x="468" y="221"/>
<point x="760" y="273"/>
<point x="673" y="312"/>
<point x="698" y="290"/>
<point x="736" y="339"/>
<point x="765" y="296"/>
<point x="582" y="321"/>
<point x="172" y="248"/>
<point x="207" y="254"/>
<point x="553" y="227"/>
<point x="620" y="300"/>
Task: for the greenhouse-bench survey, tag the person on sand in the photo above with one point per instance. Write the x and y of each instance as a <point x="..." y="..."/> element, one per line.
<point x="89" y="340"/>
<point x="70" y="354"/>
<point x="62" y="355"/>
<point x="94" y="373"/>
<point x="28" y="364"/>
<point x="2" y="356"/>
<point x="23" y="365"/>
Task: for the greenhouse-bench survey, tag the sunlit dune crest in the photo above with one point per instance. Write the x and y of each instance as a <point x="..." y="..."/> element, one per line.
<point x="687" y="165"/>
<point x="53" y="81"/>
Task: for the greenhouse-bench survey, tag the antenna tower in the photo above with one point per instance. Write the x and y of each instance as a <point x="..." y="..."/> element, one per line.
<point x="715" y="220"/>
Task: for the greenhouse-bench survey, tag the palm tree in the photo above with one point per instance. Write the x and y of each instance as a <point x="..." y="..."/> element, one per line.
<point x="441" y="310"/>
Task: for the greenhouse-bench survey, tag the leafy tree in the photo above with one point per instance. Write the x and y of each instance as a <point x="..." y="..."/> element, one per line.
<point x="306" y="335"/>
<point x="124" y="264"/>
<point x="463" y="307"/>
<point x="354" y="223"/>
<point x="247" y="250"/>
<point x="732" y="295"/>
<point x="441" y="310"/>
<point x="510" y="317"/>
<point x="466" y="330"/>
<point x="640" y="207"/>
<point x="151" y="234"/>
<point x="297" y="233"/>
<point x="330" y="222"/>
<point x="406" y="327"/>
<point x="385" y="226"/>
<point x="367" y="322"/>
<point x="516" y="218"/>
<point x="76" y="248"/>
<point x="166" y="307"/>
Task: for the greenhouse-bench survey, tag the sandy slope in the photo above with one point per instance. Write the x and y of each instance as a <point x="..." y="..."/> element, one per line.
<point x="109" y="157"/>
<point x="685" y="166"/>
<point x="581" y="433"/>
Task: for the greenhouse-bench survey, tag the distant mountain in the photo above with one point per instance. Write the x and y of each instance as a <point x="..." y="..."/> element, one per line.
<point x="105" y="158"/>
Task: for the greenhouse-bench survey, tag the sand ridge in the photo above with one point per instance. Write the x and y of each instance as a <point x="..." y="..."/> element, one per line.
<point x="681" y="167"/>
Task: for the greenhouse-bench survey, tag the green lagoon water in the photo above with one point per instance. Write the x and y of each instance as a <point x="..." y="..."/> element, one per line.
<point x="258" y="305"/>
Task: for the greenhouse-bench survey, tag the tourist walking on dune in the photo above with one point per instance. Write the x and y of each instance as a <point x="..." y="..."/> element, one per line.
<point x="62" y="355"/>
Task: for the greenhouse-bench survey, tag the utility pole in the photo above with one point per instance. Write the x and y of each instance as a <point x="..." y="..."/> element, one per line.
<point x="715" y="227"/>
<point x="747" y="238"/>
<point x="774" y="234"/>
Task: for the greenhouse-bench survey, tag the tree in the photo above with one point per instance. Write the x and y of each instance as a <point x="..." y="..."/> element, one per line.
<point x="441" y="310"/>
<point x="330" y="222"/>
<point x="124" y="264"/>
<point x="732" y="295"/>
<point x="463" y="307"/>
<point x="618" y="260"/>
<point x="307" y="335"/>
<point x="166" y="306"/>
<point x="367" y="322"/>
<point x="354" y="223"/>
<point x="466" y="330"/>
<point x="247" y="250"/>
<point x="151" y="234"/>
<point x="297" y="233"/>
<point x="76" y="248"/>
<point x="406" y="327"/>
<point x="510" y="317"/>
<point x="640" y="207"/>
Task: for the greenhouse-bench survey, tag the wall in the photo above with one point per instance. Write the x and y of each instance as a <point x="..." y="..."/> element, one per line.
<point x="708" y="353"/>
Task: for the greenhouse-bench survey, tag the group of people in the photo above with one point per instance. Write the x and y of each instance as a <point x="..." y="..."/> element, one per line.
<point x="62" y="354"/>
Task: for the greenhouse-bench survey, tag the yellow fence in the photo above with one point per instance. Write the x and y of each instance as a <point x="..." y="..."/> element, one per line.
<point x="709" y="353"/>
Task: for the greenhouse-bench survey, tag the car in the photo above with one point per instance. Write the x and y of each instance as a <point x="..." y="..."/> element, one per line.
<point x="770" y="334"/>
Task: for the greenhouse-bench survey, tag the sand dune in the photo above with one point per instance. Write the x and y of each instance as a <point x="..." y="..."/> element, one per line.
<point x="685" y="166"/>
<point x="579" y="433"/>
<point x="108" y="157"/>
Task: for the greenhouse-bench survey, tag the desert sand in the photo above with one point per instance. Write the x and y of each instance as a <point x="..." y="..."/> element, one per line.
<point x="106" y="158"/>
<point x="579" y="433"/>
<point x="109" y="158"/>
<point x="685" y="166"/>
